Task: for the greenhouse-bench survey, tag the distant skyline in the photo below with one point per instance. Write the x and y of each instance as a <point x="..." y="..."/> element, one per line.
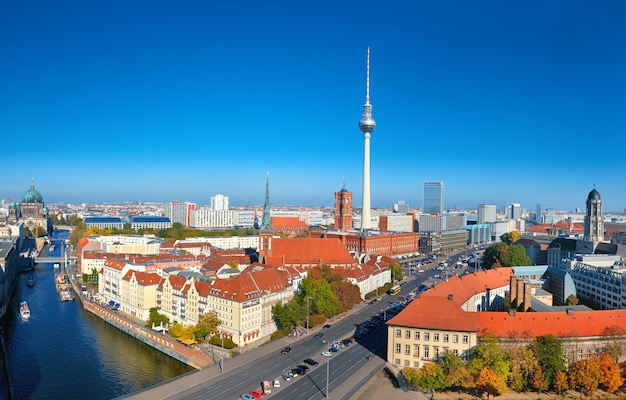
<point x="157" y="101"/>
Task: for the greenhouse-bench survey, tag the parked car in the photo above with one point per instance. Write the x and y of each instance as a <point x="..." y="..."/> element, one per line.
<point x="334" y="350"/>
<point x="257" y="394"/>
<point x="296" y="372"/>
<point x="303" y="367"/>
<point x="285" y="350"/>
<point x="276" y="383"/>
<point x="247" y="396"/>
<point x="286" y="376"/>
<point x="327" y="353"/>
<point x="326" y="326"/>
<point x="311" y="362"/>
<point x="318" y="335"/>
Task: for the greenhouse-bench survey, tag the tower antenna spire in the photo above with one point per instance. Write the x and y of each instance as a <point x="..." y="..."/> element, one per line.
<point x="367" y="85"/>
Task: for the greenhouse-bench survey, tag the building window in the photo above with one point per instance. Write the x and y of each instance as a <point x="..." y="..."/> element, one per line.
<point x="445" y="338"/>
<point x="426" y="351"/>
<point x="435" y="337"/>
<point x="580" y="353"/>
<point x="398" y="333"/>
<point x="396" y="361"/>
<point x="426" y="336"/>
<point x="407" y="363"/>
<point x="397" y="348"/>
<point x="436" y="349"/>
<point x="407" y="335"/>
<point x="456" y="352"/>
<point x="407" y="349"/>
<point x="417" y="335"/>
<point x="416" y="364"/>
<point x="455" y="338"/>
<point x="465" y="339"/>
<point x="417" y="350"/>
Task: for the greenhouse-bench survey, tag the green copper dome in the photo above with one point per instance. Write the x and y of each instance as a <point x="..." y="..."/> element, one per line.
<point x="32" y="196"/>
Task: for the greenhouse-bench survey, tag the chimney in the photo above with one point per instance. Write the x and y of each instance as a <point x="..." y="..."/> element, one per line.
<point x="570" y="311"/>
<point x="512" y="312"/>
<point x="450" y="296"/>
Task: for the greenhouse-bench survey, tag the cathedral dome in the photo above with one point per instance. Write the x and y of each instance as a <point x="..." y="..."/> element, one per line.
<point x="32" y="195"/>
<point x="594" y="195"/>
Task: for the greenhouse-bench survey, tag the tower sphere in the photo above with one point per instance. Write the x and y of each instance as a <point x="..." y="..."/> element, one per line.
<point x="367" y="124"/>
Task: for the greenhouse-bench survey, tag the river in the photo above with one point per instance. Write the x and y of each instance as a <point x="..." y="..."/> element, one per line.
<point x="63" y="351"/>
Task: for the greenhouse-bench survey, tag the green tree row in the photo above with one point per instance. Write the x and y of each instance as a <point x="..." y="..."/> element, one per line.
<point x="537" y="367"/>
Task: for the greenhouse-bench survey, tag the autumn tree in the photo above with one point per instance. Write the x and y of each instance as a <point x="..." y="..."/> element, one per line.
<point x="207" y="325"/>
<point x="571" y="300"/>
<point x="610" y="374"/>
<point x="525" y="371"/>
<point x="430" y="378"/>
<point x="560" y="383"/>
<point x="456" y="373"/>
<point x="182" y="333"/>
<point x="584" y="375"/>
<point x="510" y="237"/>
<point x="614" y="337"/>
<point x="490" y="382"/>
<point x="489" y="353"/>
<point x="548" y="351"/>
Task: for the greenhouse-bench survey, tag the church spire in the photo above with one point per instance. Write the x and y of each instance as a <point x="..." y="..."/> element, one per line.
<point x="266" y="225"/>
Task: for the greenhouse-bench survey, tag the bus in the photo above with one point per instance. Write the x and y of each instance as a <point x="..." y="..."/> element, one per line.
<point x="394" y="290"/>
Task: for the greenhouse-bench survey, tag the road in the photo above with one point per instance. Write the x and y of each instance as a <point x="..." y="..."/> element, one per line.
<point x="245" y="372"/>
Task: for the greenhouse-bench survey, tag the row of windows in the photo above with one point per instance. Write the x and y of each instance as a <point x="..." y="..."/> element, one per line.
<point x="445" y="337"/>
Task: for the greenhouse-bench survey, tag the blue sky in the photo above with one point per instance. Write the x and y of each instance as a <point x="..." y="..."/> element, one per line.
<point x="157" y="100"/>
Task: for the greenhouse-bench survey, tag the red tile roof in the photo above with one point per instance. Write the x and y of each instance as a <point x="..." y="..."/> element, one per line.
<point x="436" y="312"/>
<point x="465" y="286"/>
<point x="309" y="251"/>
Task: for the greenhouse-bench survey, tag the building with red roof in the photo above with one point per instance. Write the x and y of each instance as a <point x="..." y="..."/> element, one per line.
<point x="455" y="314"/>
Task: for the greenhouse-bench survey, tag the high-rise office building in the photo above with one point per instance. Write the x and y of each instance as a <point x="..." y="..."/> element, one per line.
<point x="400" y="207"/>
<point x="367" y="126"/>
<point x="432" y="199"/>
<point x="538" y="213"/>
<point x="219" y="202"/>
<point x="486" y="213"/>
<point x="515" y="211"/>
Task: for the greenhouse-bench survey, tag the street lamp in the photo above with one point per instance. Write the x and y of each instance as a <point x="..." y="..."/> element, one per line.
<point x="308" y="312"/>
<point x="222" y="355"/>
<point x="327" y="367"/>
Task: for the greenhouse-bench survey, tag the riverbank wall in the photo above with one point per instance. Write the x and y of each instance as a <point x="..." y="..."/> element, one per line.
<point x="190" y="356"/>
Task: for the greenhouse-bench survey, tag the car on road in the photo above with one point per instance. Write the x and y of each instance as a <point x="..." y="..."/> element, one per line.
<point x="285" y="350"/>
<point x="257" y="394"/>
<point x="326" y="326"/>
<point x="276" y="383"/>
<point x="303" y="367"/>
<point x="334" y="350"/>
<point x="327" y="353"/>
<point x="286" y="376"/>
<point x="318" y="335"/>
<point x="311" y="362"/>
<point x="247" y="396"/>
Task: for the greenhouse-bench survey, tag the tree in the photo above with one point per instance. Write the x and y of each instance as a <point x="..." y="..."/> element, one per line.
<point x="571" y="300"/>
<point x="510" y="237"/>
<point x="525" y="371"/>
<point x="489" y="353"/>
<point x="610" y="374"/>
<point x="455" y="371"/>
<point x="560" y="382"/>
<point x="207" y="325"/>
<point x="614" y="341"/>
<point x="155" y="318"/>
<point x="281" y="316"/>
<point x="584" y="375"/>
<point x="490" y="382"/>
<point x="430" y="377"/>
<point x="503" y="255"/>
<point x="396" y="271"/>
<point x="548" y="351"/>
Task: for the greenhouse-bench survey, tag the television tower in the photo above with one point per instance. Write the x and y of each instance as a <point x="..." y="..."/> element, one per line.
<point x="367" y="126"/>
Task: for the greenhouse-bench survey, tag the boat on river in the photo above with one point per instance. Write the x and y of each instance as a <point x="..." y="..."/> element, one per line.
<point x="24" y="310"/>
<point x="64" y="288"/>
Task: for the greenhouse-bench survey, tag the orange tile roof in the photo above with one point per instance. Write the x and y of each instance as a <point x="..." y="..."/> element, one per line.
<point x="143" y="278"/>
<point x="464" y="287"/>
<point x="436" y="312"/>
<point x="560" y="324"/>
<point x="287" y="222"/>
<point x="249" y="284"/>
<point x="309" y="251"/>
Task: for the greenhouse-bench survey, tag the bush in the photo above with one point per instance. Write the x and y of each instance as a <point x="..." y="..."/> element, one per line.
<point x="279" y="334"/>
<point x="217" y="341"/>
<point x="316" y="320"/>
